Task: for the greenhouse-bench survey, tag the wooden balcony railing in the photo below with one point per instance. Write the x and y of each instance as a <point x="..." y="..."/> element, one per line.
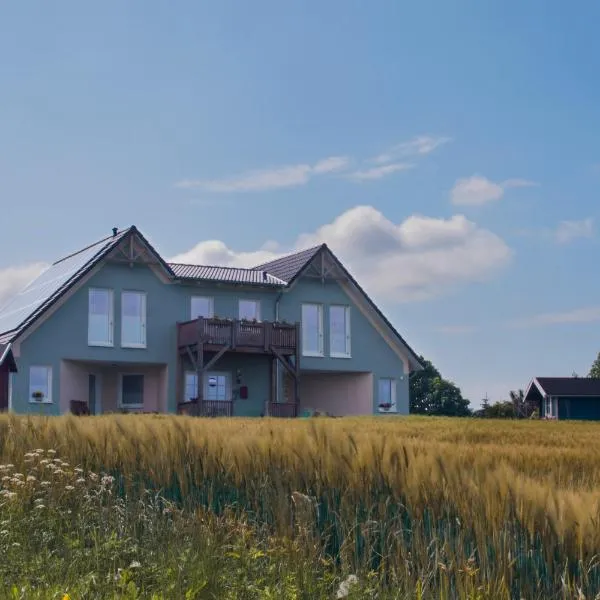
<point x="239" y="334"/>
<point x="206" y="408"/>
<point x="283" y="409"/>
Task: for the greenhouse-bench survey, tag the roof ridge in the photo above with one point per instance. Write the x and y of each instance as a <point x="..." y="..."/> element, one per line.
<point x="103" y="240"/>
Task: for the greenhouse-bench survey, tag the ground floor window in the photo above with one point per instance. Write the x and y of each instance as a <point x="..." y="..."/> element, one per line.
<point x="217" y="386"/>
<point x="131" y="390"/>
<point x="386" y="396"/>
<point x="548" y="406"/>
<point x="40" y="384"/>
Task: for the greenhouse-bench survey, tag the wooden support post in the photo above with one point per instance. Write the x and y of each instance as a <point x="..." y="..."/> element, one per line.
<point x="200" y="376"/>
<point x="273" y="396"/>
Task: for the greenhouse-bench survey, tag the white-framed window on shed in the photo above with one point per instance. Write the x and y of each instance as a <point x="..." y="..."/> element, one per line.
<point x="312" y="330"/>
<point x="40" y="384"/>
<point x="133" y="319"/>
<point x="100" y="317"/>
<point x="339" y="331"/>
<point x="386" y="395"/>
<point x="202" y="306"/>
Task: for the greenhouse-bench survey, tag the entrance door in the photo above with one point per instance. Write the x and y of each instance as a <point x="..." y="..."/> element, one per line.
<point x="217" y="386"/>
<point x="94" y="394"/>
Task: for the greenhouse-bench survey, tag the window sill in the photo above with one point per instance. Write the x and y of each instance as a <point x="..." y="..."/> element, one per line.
<point x="135" y="346"/>
<point x="101" y="344"/>
<point x="336" y="355"/>
<point x="131" y="407"/>
<point x="41" y="402"/>
<point x="314" y="354"/>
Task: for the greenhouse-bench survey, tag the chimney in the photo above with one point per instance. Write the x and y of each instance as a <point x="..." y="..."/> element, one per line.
<point x="264" y="275"/>
<point x="115" y="231"/>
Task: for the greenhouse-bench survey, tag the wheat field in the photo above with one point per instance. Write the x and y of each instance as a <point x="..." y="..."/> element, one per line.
<point x="419" y="507"/>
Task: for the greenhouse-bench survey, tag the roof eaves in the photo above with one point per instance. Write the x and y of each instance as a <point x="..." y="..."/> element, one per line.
<point x="414" y="356"/>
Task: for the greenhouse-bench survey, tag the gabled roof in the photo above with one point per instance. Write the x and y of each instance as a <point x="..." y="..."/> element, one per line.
<point x="566" y="386"/>
<point x="38" y="296"/>
<point x="225" y="274"/>
<point x="290" y="266"/>
<point x="6" y="357"/>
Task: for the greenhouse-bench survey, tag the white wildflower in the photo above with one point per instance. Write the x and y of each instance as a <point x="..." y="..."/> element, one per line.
<point x="31" y="478"/>
<point x="40" y="506"/>
<point x="344" y="589"/>
<point x="16" y="544"/>
<point x="44" y="461"/>
<point x="52" y="452"/>
<point x="80" y="480"/>
<point x="69" y="487"/>
<point x="78" y="470"/>
<point x="135" y="565"/>
<point x="4" y="532"/>
<point x="6" y="478"/>
<point x="58" y="472"/>
<point x="107" y="480"/>
<point x="39" y="451"/>
<point x="93" y="476"/>
<point x="10" y="466"/>
<point x="45" y="483"/>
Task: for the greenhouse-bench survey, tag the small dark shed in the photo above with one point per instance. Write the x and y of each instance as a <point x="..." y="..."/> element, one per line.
<point x="7" y="366"/>
<point x="566" y="397"/>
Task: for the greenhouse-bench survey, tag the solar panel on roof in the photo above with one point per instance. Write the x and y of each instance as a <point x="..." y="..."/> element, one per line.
<point x="41" y="289"/>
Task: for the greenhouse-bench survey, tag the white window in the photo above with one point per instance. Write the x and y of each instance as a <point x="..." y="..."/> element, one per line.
<point x="202" y="306"/>
<point x="217" y="386"/>
<point x="339" y="331"/>
<point x="312" y="330"/>
<point x="100" y="317"/>
<point x="387" y="395"/>
<point x="548" y="406"/>
<point x="133" y="320"/>
<point x="131" y="390"/>
<point x="250" y="310"/>
<point x="40" y="384"/>
<point x="190" y="386"/>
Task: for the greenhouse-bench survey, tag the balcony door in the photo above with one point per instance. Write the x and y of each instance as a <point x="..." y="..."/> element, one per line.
<point x="217" y="386"/>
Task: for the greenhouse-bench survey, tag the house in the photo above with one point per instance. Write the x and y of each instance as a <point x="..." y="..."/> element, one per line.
<point x="565" y="397"/>
<point x="114" y="327"/>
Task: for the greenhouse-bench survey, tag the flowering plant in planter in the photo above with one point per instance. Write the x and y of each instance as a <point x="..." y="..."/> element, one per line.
<point x="385" y="405"/>
<point x="38" y="395"/>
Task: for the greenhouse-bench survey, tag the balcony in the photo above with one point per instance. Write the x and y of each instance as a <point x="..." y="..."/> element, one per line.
<point x="239" y="336"/>
<point x="206" y="408"/>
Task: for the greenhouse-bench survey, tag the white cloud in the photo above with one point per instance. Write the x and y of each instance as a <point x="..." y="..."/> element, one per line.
<point x="418" y="258"/>
<point x="332" y="164"/>
<point x="477" y="190"/>
<point x="262" y="180"/>
<point x="587" y="314"/>
<point x="14" y="279"/>
<point x="419" y="145"/>
<point x="379" y="172"/>
<point x="567" y="231"/>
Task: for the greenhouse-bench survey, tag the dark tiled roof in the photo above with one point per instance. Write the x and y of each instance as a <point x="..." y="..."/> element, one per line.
<point x="288" y="267"/>
<point x="570" y="386"/>
<point x="225" y="274"/>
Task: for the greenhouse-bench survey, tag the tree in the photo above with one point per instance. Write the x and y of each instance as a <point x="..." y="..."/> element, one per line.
<point x="595" y="370"/>
<point x="431" y="394"/>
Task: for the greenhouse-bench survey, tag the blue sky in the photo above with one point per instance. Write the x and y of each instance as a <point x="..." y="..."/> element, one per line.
<point x="468" y="133"/>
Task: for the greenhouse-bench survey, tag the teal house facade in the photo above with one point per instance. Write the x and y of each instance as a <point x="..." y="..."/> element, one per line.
<point x="116" y="328"/>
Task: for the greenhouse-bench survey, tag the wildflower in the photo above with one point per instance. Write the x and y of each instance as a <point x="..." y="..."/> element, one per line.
<point x="44" y="461"/>
<point x="107" y="480"/>
<point x="66" y="597"/>
<point x="16" y="544"/>
<point x="40" y="506"/>
<point x="38" y="501"/>
<point x="51" y="452"/>
<point x="10" y="466"/>
<point x="93" y="476"/>
<point x="80" y="480"/>
<point x="78" y="470"/>
<point x="6" y="478"/>
<point x="69" y="487"/>
<point x="29" y="455"/>
<point x="18" y="475"/>
<point x="57" y="460"/>
<point x="58" y="472"/>
<point x="344" y="589"/>
<point x="45" y="483"/>
<point x="4" y="532"/>
<point x="135" y="564"/>
<point x="39" y="451"/>
<point x="31" y="478"/>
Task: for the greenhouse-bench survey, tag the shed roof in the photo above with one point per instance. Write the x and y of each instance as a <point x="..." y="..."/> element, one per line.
<point x="567" y="386"/>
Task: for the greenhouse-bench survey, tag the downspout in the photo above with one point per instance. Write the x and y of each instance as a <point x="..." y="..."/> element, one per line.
<point x="277" y="363"/>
